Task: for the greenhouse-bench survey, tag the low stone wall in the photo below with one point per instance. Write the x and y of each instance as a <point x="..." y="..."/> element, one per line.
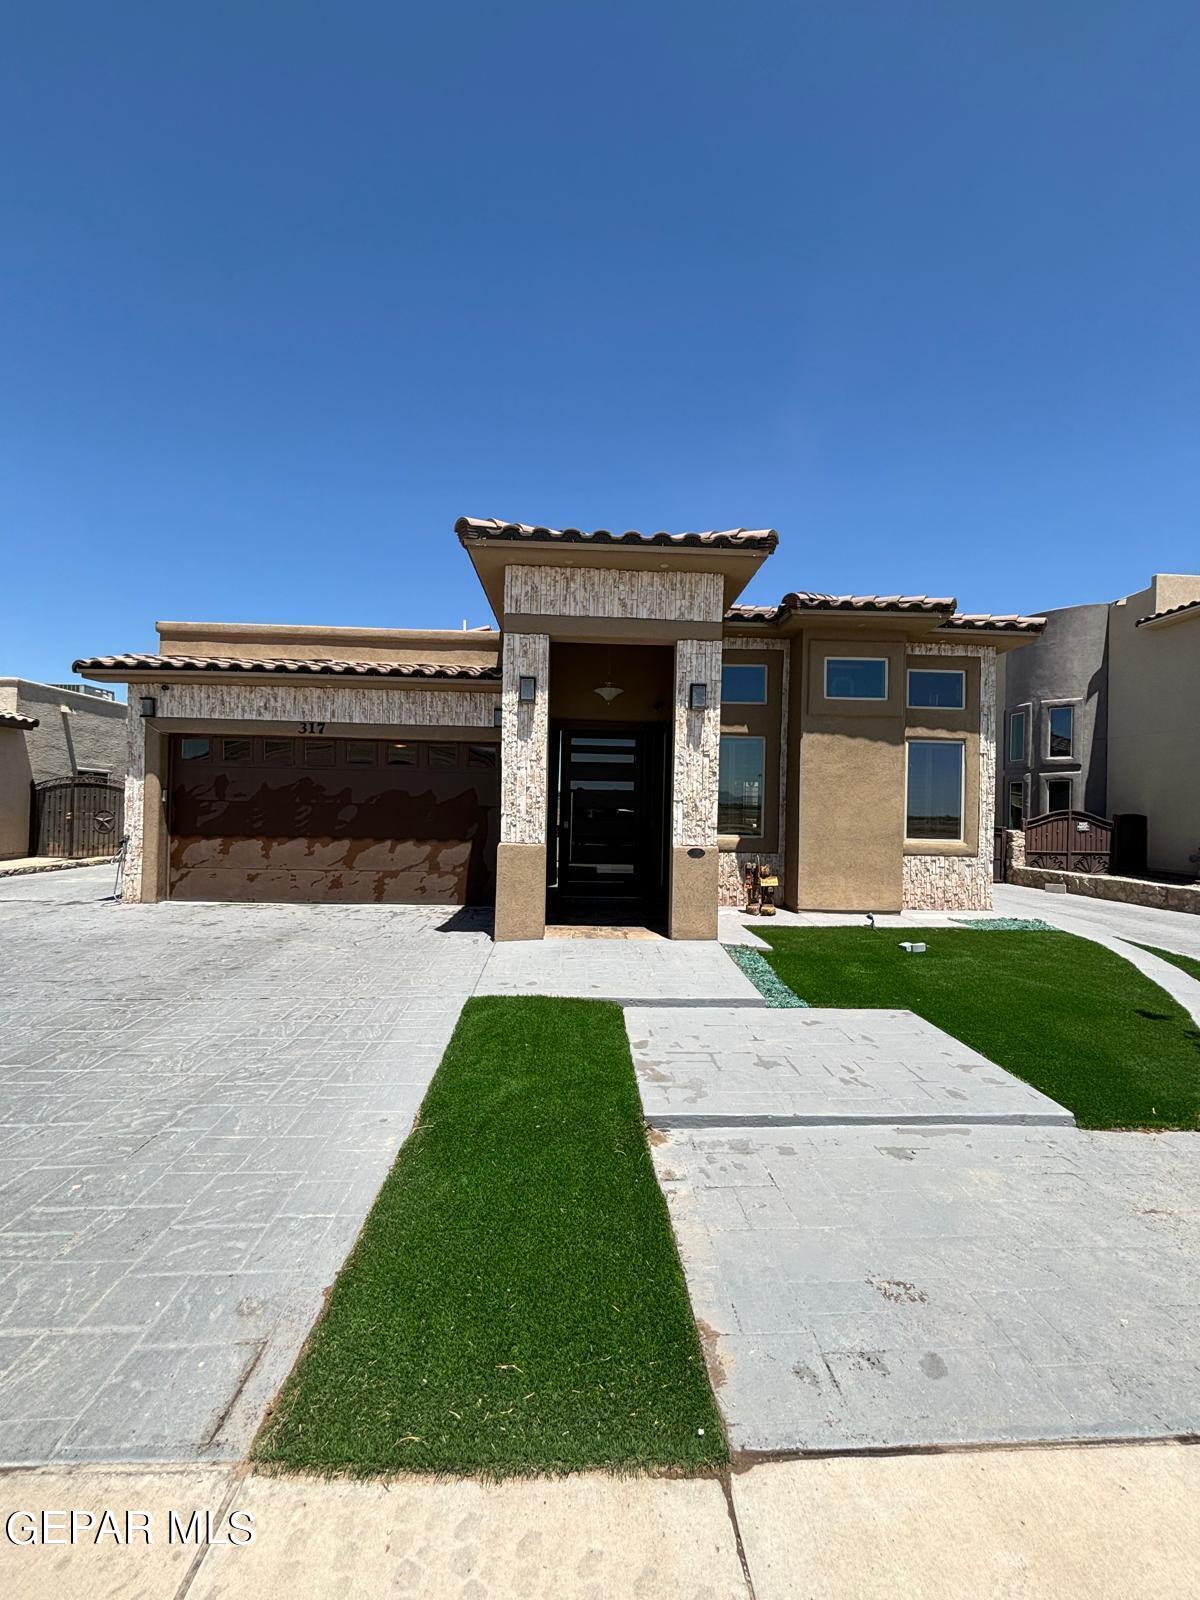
<point x="1100" y="886"/>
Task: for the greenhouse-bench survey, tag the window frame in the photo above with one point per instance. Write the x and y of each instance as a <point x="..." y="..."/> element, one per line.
<point x="1057" y="777"/>
<point x="1022" y="759"/>
<point x="1059" y="705"/>
<point x="857" y="699"/>
<point x="744" y="738"/>
<point x="926" y="840"/>
<point x="1018" y="784"/>
<point x="946" y="672"/>
<point x="744" y="666"/>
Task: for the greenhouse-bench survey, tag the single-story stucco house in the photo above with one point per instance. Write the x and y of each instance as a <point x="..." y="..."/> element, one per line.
<point x="623" y="747"/>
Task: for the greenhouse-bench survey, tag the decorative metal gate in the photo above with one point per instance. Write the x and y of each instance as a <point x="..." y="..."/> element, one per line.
<point x="76" y="817"/>
<point x="997" y="855"/>
<point x="1068" y="841"/>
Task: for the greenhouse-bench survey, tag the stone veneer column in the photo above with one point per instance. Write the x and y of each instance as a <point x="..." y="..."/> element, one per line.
<point x="144" y="877"/>
<point x="524" y="744"/>
<point x="695" y="864"/>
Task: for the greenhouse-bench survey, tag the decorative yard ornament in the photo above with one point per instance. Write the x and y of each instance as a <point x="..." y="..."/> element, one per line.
<point x="768" y="882"/>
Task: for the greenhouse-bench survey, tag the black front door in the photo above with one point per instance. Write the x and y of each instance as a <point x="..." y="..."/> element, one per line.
<point x="608" y="823"/>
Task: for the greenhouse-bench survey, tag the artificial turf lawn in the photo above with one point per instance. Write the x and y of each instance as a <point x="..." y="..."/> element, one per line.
<point x="1187" y="964"/>
<point x="515" y="1303"/>
<point x="1065" y="1014"/>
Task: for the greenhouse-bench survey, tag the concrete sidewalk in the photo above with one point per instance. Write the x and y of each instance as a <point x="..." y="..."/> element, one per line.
<point x="1105" y="1523"/>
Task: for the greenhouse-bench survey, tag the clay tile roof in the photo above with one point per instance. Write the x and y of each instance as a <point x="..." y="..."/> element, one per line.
<point x="13" y="719"/>
<point x="806" y="600"/>
<point x="318" y="668"/>
<point x="982" y="622"/>
<point x="483" y="529"/>
<point x="1171" y="611"/>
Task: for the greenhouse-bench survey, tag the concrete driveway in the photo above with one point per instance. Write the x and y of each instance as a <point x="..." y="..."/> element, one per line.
<point x="198" y="1104"/>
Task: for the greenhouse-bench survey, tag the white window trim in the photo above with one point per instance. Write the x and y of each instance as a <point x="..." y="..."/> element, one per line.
<point x="1026" y="711"/>
<point x="946" y="672"/>
<point x="1061" y="705"/>
<point x="962" y="793"/>
<point x="857" y="699"/>
<point x="754" y="666"/>
<point x="1047" y="778"/>
<point x="759" y="739"/>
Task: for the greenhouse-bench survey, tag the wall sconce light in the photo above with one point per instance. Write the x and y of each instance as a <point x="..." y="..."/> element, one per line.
<point x="698" y="697"/>
<point x="527" y="691"/>
<point x="497" y="717"/>
<point x="146" y="705"/>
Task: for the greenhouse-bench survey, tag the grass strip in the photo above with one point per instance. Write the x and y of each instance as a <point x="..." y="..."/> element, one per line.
<point x="1067" y="1015"/>
<point x="1187" y="964"/>
<point x="515" y="1302"/>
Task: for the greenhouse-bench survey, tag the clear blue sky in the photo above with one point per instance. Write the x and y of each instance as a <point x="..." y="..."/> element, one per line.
<point x="288" y="287"/>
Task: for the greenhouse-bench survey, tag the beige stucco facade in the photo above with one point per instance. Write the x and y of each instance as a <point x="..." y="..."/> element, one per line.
<point x="1154" y="718"/>
<point x="607" y="651"/>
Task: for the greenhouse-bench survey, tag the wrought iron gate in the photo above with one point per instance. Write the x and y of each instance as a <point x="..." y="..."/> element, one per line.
<point x="76" y="817"/>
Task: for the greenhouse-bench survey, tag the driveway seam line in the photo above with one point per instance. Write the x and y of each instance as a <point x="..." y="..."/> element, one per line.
<point x="193" y="1571"/>
<point x="725" y="1479"/>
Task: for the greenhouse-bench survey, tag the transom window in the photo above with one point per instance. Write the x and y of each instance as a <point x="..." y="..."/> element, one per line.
<point x="193" y="749"/>
<point x="740" y="786"/>
<point x="1016" y="736"/>
<point x="744" y="684"/>
<point x="941" y="687"/>
<point x="935" y="789"/>
<point x="1062" y="730"/>
<point x="856" y="678"/>
<point x="237" y="752"/>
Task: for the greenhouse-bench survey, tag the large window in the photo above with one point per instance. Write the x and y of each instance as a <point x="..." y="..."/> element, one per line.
<point x="1016" y="737"/>
<point x="740" y="796"/>
<point x="935" y="789"/>
<point x="1062" y="730"/>
<point x="744" y="684"/>
<point x="856" y="678"/>
<point x="937" y="687"/>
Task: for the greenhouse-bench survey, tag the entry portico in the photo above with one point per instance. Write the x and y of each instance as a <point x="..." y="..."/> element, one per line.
<point x="624" y="746"/>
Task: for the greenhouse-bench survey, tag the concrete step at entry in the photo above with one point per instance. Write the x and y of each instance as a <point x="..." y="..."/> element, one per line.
<point x="724" y="1066"/>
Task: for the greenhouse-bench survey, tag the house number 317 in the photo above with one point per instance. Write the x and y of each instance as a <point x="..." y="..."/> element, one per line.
<point x="312" y="727"/>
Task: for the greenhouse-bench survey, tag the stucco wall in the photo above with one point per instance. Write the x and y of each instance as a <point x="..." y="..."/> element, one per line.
<point x="15" y="778"/>
<point x="1153" y="718"/>
<point x="76" y="732"/>
<point x="1067" y="664"/>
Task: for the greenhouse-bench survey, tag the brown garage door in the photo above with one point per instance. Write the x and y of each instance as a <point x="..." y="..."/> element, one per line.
<point x="357" y="820"/>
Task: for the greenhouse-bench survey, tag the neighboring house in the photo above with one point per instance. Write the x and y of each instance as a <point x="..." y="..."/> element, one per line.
<point x="1102" y="713"/>
<point x="52" y="730"/>
<point x="625" y="746"/>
